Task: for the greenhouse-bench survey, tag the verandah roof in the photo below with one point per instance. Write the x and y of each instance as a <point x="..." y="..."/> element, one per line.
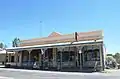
<point x="55" y="45"/>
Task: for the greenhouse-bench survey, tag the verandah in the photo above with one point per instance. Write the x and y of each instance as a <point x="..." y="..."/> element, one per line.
<point x="57" y="57"/>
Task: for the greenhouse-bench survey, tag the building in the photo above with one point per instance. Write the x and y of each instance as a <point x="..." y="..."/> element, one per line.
<point x="3" y="56"/>
<point x="78" y="51"/>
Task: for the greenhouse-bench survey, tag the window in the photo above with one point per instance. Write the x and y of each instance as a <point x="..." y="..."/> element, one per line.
<point x="18" y="58"/>
<point x="65" y="56"/>
<point x="12" y="58"/>
<point x="91" y="55"/>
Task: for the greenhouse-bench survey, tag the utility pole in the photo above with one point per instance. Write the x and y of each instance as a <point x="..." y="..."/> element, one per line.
<point x="41" y="28"/>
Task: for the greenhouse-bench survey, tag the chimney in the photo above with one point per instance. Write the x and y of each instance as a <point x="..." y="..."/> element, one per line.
<point x="76" y="36"/>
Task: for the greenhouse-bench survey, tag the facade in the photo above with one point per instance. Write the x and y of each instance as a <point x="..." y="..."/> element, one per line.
<point x="3" y="56"/>
<point x="79" y="51"/>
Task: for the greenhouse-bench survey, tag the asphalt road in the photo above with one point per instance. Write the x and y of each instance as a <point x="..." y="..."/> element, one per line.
<point x="33" y="74"/>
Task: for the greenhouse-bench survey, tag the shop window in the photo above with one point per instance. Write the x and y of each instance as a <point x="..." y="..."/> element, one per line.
<point x="65" y="56"/>
<point x="68" y="56"/>
<point x="91" y="55"/>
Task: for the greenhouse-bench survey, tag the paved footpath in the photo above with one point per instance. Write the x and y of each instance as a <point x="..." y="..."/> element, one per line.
<point x="37" y="74"/>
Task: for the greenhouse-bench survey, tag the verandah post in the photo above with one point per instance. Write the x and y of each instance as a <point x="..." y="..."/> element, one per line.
<point x="77" y="61"/>
<point x="61" y="58"/>
<point x="80" y="57"/>
<point x="40" y="58"/>
<point x="43" y="57"/>
<point x="29" y="57"/>
<point x="100" y="57"/>
<point x="5" y="62"/>
<point x="61" y="49"/>
<point x="15" y="58"/>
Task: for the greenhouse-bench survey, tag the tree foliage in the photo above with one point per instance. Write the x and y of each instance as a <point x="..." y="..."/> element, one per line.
<point x="117" y="57"/>
<point x="15" y="42"/>
<point x="109" y="54"/>
<point x="111" y="62"/>
<point x="2" y="45"/>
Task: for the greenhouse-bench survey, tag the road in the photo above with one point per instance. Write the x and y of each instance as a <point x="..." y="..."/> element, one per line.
<point x="36" y="74"/>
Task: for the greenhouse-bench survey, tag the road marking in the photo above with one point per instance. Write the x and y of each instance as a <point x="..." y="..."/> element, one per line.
<point x="2" y="77"/>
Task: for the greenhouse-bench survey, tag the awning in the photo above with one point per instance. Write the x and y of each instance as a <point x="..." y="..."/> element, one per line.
<point x="4" y="52"/>
<point x="54" y="45"/>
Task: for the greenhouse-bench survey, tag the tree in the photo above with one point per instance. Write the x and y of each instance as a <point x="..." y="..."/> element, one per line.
<point x="111" y="62"/>
<point x="117" y="57"/>
<point x="5" y="46"/>
<point x="2" y="45"/>
<point x="109" y="54"/>
<point x="15" y="42"/>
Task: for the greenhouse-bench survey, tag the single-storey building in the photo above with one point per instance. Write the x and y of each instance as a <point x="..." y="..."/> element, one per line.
<point x="77" y="51"/>
<point x="3" y="56"/>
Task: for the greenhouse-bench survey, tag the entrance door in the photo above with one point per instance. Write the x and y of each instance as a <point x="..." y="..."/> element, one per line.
<point x="47" y="58"/>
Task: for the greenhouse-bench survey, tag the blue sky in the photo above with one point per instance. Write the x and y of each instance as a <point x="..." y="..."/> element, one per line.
<point x="21" y="18"/>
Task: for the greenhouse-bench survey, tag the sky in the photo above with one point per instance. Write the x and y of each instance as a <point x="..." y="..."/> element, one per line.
<point x="27" y="19"/>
